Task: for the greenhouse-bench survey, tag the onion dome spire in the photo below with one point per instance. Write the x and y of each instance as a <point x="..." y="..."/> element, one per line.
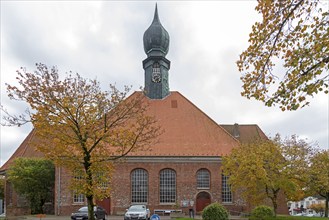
<point x="156" y="38"/>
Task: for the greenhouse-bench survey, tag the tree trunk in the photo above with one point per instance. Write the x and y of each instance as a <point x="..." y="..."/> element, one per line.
<point x="89" y="193"/>
<point x="326" y="210"/>
<point x="90" y="202"/>
<point x="274" y="202"/>
<point x="36" y="205"/>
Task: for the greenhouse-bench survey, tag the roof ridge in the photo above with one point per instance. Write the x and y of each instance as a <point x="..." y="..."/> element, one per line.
<point x="207" y="116"/>
<point x="19" y="151"/>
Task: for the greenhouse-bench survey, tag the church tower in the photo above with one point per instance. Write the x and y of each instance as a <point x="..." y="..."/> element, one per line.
<point x="156" y="66"/>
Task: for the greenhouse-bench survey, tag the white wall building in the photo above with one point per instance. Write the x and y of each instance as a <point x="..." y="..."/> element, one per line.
<point x="303" y="207"/>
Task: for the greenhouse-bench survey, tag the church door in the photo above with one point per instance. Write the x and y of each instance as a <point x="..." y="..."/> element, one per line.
<point x="106" y="204"/>
<point x="202" y="200"/>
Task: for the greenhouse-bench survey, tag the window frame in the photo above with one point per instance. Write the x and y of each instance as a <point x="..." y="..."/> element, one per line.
<point x="167" y="186"/>
<point x="78" y="198"/>
<point x="202" y="179"/>
<point x="144" y="192"/>
<point x="227" y="195"/>
<point x="156" y="68"/>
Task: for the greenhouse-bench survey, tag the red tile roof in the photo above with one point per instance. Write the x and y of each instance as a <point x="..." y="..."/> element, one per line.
<point x="187" y="132"/>
<point x="24" y="150"/>
<point x="245" y="133"/>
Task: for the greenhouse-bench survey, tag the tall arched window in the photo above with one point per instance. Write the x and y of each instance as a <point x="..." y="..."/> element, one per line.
<point x="167" y="186"/>
<point x="203" y="179"/>
<point x="139" y="186"/>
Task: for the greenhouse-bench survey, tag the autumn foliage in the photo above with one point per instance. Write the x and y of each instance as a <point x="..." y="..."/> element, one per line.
<point x="264" y="169"/>
<point x="318" y="208"/>
<point x="81" y="127"/>
<point x="292" y="36"/>
<point x="319" y="177"/>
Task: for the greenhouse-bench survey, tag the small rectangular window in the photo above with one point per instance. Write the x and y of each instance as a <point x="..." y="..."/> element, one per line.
<point x="78" y="198"/>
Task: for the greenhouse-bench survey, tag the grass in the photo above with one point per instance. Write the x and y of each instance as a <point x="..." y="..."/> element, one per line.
<point x="295" y="218"/>
<point x="279" y="218"/>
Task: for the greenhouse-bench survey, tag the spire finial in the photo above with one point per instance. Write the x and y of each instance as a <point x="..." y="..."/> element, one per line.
<point x="156" y="16"/>
<point x="156" y="38"/>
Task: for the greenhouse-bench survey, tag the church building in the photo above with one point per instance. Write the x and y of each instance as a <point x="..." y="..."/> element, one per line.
<point x="183" y="168"/>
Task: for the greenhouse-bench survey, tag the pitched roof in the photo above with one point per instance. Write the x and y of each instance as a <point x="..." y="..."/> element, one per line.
<point x="188" y="130"/>
<point x="245" y="133"/>
<point x="24" y="150"/>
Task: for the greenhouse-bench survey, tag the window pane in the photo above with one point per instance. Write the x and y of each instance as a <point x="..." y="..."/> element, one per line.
<point x="78" y="198"/>
<point x="226" y="190"/>
<point x="156" y="68"/>
<point x="203" y="179"/>
<point x="167" y="186"/>
<point x="78" y="178"/>
<point x="139" y="186"/>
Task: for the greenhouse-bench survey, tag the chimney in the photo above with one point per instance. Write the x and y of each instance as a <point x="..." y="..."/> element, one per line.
<point x="236" y="132"/>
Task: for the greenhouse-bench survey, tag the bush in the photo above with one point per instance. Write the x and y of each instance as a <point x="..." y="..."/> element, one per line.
<point x="261" y="212"/>
<point x="215" y="211"/>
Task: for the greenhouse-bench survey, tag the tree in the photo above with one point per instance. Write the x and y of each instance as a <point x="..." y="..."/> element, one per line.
<point x="293" y="33"/>
<point x="33" y="178"/>
<point x="297" y="153"/>
<point x="2" y="187"/>
<point x="260" y="170"/>
<point x="319" y="176"/>
<point x="318" y="208"/>
<point x="81" y="127"/>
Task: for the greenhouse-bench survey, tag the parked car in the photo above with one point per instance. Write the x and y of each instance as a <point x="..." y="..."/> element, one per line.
<point x="82" y="213"/>
<point x="137" y="212"/>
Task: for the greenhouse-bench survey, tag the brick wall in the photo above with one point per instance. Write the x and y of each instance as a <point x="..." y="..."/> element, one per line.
<point x="185" y="182"/>
<point x="186" y="186"/>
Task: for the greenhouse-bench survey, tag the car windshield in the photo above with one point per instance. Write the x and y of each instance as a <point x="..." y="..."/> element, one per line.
<point x="137" y="208"/>
<point x="83" y="209"/>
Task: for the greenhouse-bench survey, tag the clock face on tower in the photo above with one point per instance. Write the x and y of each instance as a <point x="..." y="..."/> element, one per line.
<point x="156" y="73"/>
<point x="156" y="77"/>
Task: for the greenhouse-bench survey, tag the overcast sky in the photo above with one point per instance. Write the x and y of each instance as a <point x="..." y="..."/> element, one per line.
<point x="104" y="40"/>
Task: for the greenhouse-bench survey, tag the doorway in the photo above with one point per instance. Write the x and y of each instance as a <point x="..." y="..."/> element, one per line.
<point x="106" y="204"/>
<point x="202" y="200"/>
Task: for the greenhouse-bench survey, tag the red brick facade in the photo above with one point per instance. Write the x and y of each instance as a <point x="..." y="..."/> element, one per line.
<point x="186" y="186"/>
